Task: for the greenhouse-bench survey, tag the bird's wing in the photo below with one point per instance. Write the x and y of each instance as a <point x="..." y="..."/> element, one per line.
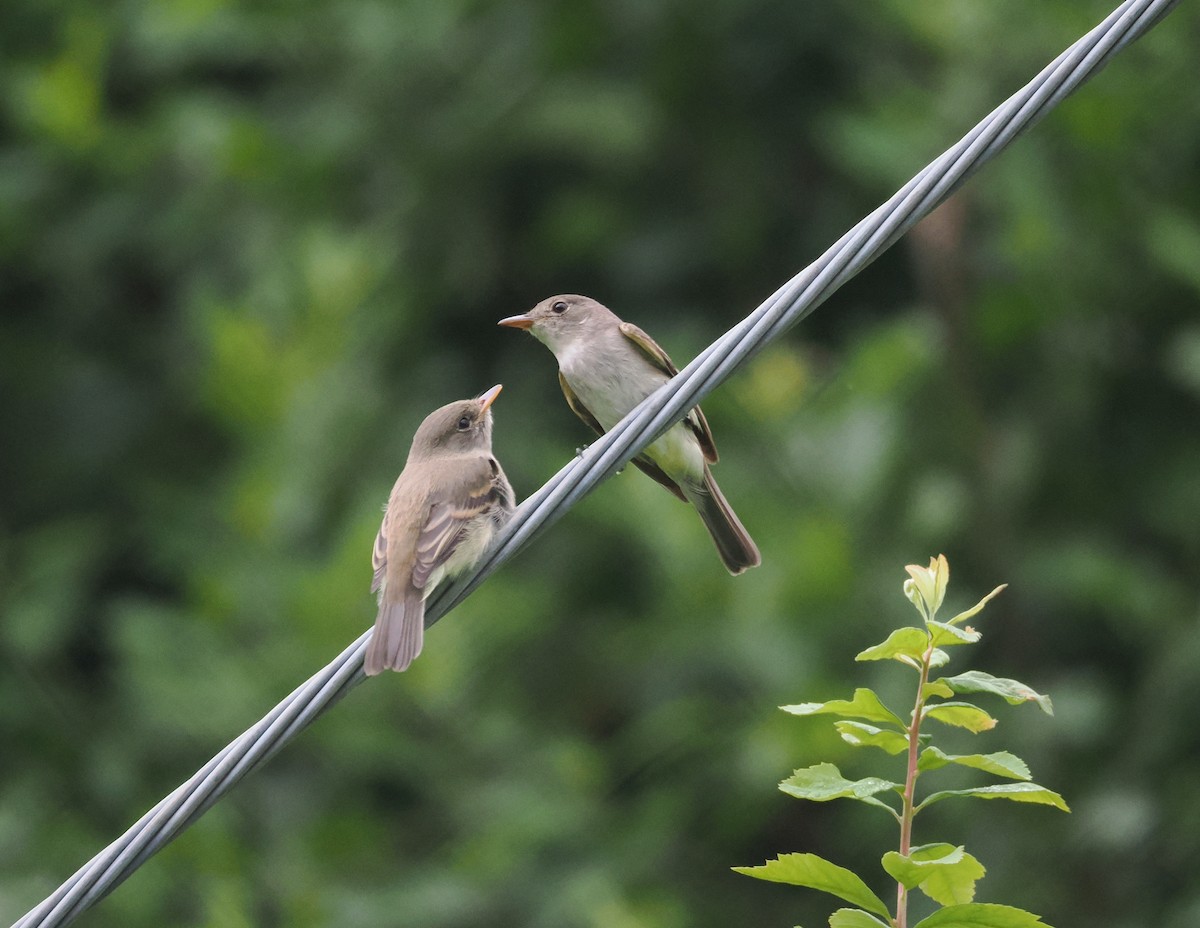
<point x="445" y="526"/>
<point x="379" y="557"/>
<point x="655" y="355"/>
<point x="445" y="519"/>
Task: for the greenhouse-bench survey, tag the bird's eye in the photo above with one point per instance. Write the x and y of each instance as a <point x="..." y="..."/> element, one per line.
<point x="559" y="307"/>
<point x="464" y="423"/>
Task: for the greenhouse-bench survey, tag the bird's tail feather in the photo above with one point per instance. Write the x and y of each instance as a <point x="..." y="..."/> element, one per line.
<point x="735" y="546"/>
<point x="399" y="634"/>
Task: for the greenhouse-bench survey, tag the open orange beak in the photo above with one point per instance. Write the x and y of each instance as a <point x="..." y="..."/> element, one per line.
<point x="517" y="322"/>
<point x="490" y="396"/>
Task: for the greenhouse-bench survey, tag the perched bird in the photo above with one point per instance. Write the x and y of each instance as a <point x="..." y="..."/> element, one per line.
<point x="447" y="503"/>
<point x="605" y="368"/>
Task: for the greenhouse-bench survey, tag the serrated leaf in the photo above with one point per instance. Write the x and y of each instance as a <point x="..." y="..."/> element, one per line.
<point x="981" y="915"/>
<point x="939" y="658"/>
<point x="860" y="734"/>
<point x="1000" y="763"/>
<point x="974" y="610"/>
<point x="1012" y="691"/>
<point x="946" y="635"/>
<point x="943" y="872"/>
<point x="818" y="873"/>
<point x="1017" y="792"/>
<point x="864" y="705"/>
<point x="823" y="782"/>
<point x="910" y="871"/>
<point x="937" y="688"/>
<point x="956" y="884"/>
<point x="907" y="644"/>
<point x="961" y="715"/>
<point x="855" y="918"/>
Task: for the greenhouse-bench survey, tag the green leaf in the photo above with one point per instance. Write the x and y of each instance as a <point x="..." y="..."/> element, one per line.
<point x="927" y="585"/>
<point x="942" y="576"/>
<point x="963" y="616"/>
<point x="910" y="871"/>
<point x="945" y="873"/>
<point x="860" y="734"/>
<point x="817" y="873"/>
<point x="1012" y="691"/>
<point x="904" y="644"/>
<point x="945" y="634"/>
<point x="855" y="918"/>
<point x="962" y="715"/>
<point x="915" y="597"/>
<point x="823" y="782"/>
<point x="1001" y="763"/>
<point x="864" y="705"/>
<point x="981" y="915"/>
<point x="955" y="884"/>
<point x="1017" y="792"/>
<point x="937" y="688"/>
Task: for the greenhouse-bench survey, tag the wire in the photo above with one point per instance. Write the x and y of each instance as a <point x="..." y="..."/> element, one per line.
<point x="783" y="309"/>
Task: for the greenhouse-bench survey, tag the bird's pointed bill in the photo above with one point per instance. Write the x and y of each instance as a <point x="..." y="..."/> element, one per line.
<point x="489" y="397"/>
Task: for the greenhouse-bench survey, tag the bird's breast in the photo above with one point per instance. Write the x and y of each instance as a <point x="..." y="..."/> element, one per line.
<point x="610" y="390"/>
<point x="607" y="388"/>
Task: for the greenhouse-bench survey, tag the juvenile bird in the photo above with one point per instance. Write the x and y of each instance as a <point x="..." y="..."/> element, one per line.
<point x="448" y="502"/>
<point x="605" y="368"/>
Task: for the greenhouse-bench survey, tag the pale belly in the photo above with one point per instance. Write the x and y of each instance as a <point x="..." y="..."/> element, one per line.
<point x="610" y="396"/>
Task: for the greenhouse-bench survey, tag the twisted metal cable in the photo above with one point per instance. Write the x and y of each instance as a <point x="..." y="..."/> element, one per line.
<point x="783" y="309"/>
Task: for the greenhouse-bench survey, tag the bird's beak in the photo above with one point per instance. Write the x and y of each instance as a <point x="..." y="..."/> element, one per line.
<point x="490" y="396"/>
<point x="517" y="322"/>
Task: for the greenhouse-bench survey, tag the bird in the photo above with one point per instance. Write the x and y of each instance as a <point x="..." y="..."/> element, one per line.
<point x="445" y="508"/>
<point x="605" y="368"/>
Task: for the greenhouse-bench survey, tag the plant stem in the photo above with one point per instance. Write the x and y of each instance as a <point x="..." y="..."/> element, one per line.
<point x="907" y="812"/>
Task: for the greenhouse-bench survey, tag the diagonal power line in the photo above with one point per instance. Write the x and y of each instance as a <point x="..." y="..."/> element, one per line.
<point x="783" y="309"/>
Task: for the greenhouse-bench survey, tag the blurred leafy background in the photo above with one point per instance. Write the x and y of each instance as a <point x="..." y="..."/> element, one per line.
<point x="246" y="246"/>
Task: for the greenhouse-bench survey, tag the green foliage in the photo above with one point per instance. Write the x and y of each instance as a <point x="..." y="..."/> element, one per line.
<point x="860" y="733"/>
<point x="1000" y="763"/>
<point x="962" y="714"/>
<point x="825" y="781"/>
<point x="1014" y="693"/>
<point x="977" y="915"/>
<point x="854" y="918"/>
<point x="1017" y="792"/>
<point x="864" y="705"/>
<point x="810" y="870"/>
<point x="945" y="873"/>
